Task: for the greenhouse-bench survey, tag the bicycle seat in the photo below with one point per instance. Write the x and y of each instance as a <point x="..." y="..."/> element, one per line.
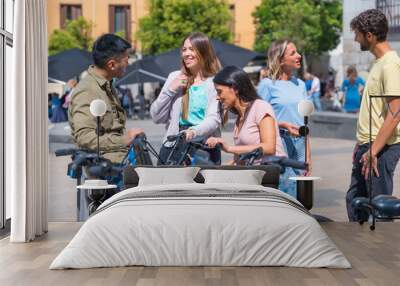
<point x="361" y="204"/>
<point x="386" y="205"/>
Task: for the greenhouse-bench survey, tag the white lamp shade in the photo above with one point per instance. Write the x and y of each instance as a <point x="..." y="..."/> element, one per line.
<point x="98" y="107"/>
<point x="305" y="107"/>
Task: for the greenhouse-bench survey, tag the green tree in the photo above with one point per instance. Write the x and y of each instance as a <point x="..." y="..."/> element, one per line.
<point x="169" y="21"/>
<point x="75" y="35"/>
<point x="313" y="25"/>
<point x="120" y="34"/>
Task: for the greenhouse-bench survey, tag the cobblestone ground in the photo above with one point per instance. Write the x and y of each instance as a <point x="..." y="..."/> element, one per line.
<point x="331" y="161"/>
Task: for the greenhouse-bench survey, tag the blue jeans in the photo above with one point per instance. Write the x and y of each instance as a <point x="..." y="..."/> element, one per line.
<point x="295" y="149"/>
<point x="286" y="185"/>
<point x="316" y="100"/>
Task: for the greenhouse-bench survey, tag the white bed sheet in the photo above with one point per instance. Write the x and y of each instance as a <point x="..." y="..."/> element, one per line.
<point x="271" y="230"/>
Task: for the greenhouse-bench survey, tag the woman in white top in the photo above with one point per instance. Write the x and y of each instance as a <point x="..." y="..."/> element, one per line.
<point x="187" y="100"/>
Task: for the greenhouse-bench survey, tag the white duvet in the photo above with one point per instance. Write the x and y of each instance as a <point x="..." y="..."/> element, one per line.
<point x="201" y="224"/>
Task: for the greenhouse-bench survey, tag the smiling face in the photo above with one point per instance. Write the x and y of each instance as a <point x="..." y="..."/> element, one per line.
<point x="226" y="96"/>
<point x="291" y="58"/>
<point x="189" y="56"/>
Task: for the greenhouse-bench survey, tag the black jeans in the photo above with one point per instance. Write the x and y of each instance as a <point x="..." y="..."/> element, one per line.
<point x="387" y="161"/>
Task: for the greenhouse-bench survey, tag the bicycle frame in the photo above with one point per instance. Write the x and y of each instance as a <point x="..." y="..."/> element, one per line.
<point x="187" y="153"/>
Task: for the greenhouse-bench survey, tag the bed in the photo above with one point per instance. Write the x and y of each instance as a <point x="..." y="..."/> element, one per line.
<point x="201" y="224"/>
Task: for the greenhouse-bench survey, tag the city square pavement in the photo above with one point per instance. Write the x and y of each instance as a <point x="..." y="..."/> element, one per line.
<point x="331" y="161"/>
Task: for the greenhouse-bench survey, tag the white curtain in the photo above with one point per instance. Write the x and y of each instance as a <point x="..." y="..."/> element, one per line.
<point x="26" y="123"/>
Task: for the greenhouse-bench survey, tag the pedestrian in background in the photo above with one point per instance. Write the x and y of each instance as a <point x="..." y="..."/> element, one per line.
<point x="284" y="92"/>
<point x="330" y="82"/>
<point x="314" y="92"/>
<point x="66" y="98"/>
<point x="188" y="99"/>
<point x="57" y="112"/>
<point x="352" y="87"/>
<point x="308" y="81"/>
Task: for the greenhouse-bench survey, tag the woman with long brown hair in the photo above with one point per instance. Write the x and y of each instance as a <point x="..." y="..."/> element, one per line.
<point x="255" y="119"/>
<point x="187" y="101"/>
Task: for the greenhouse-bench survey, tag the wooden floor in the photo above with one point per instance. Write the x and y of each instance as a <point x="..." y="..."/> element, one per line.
<point x="375" y="257"/>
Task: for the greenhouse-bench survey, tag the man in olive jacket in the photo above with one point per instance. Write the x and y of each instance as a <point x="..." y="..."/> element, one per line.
<point x="110" y="57"/>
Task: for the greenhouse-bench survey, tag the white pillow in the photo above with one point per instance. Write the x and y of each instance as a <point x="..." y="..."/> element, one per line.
<point x="166" y="176"/>
<point x="249" y="177"/>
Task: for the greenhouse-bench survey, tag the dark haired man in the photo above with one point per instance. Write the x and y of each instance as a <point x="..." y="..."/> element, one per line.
<point x="110" y="57"/>
<point x="371" y="28"/>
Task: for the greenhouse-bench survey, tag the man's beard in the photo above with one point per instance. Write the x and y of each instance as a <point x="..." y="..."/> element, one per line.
<point x="364" y="47"/>
<point x="121" y="73"/>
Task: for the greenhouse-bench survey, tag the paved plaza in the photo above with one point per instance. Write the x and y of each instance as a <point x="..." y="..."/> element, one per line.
<point x="331" y="161"/>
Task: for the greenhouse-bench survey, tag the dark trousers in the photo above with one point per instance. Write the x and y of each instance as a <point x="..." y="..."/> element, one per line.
<point x="387" y="161"/>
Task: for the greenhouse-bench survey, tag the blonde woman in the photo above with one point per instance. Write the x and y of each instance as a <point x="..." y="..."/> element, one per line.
<point x="188" y="99"/>
<point x="284" y="91"/>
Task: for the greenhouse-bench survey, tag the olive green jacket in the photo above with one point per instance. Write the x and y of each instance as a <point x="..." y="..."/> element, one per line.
<point x="83" y="124"/>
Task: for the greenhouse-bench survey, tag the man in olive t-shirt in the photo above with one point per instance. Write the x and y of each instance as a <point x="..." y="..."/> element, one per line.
<point x="110" y="57"/>
<point x="370" y="28"/>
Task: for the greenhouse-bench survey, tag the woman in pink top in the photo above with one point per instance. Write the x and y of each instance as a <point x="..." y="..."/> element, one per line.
<point x="255" y="124"/>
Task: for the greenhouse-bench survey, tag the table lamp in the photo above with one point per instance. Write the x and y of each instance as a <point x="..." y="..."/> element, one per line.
<point x="305" y="188"/>
<point x="98" y="108"/>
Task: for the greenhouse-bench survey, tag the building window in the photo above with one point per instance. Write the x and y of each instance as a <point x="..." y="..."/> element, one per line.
<point x="391" y="9"/>
<point x="232" y="23"/>
<point x="69" y="13"/>
<point x="120" y="20"/>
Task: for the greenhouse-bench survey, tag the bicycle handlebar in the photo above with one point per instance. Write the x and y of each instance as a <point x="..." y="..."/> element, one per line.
<point x="96" y="166"/>
<point x="183" y="149"/>
<point x="171" y="138"/>
<point x="255" y="154"/>
<point x="104" y="168"/>
<point x="72" y="151"/>
<point x="66" y="152"/>
<point x="285" y="162"/>
<point x="272" y="160"/>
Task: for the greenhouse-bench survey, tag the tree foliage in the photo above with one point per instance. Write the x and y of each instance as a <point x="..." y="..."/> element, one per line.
<point x="313" y="25"/>
<point x="75" y="35"/>
<point x="169" y="21"/>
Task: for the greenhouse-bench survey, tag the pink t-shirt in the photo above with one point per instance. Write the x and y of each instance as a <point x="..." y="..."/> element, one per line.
<point x="249" y="134"/>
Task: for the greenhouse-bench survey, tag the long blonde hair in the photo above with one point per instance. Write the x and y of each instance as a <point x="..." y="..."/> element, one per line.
<point x="209" y="65"/>
<point x="275" y="55"/>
